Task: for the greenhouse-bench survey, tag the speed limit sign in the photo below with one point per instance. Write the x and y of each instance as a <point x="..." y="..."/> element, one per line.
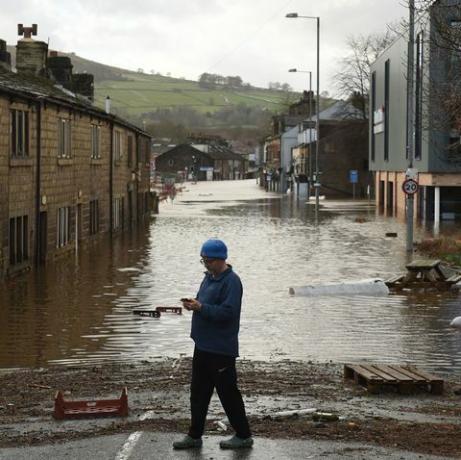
<point x="410" y="187"/>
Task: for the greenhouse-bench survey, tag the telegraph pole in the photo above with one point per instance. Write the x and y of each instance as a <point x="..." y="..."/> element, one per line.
<point x="410" y="122"/>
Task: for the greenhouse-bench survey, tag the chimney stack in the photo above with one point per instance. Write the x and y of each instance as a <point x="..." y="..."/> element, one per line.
<point x="60" y="68"/>
<point x="83" y="83"/>
<point x="30" y="54"/>
<point x="5" y="57"/>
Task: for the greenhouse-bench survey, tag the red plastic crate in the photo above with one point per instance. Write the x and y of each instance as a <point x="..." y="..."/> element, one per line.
<point x="97" y="408"/>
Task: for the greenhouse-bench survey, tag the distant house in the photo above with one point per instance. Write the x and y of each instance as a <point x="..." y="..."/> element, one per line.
<point x="277" y="147"/>
<point x="70" y="173"/>
<point x="202" y="162"/>
<point x="343" y="153"/>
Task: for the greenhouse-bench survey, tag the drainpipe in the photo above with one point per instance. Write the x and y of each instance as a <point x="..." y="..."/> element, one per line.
<point x="37" y="182"/>
<point x="111" y="178"/>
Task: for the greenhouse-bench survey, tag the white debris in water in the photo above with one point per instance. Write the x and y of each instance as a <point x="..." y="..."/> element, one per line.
<point x="129" y="269"/>
<point x="456" y="323"/>
<point x="372" y="287"/>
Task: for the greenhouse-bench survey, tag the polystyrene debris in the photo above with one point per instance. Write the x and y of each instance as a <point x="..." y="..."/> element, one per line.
<point x="456" y="323"/>
<point x="372" y="287"/>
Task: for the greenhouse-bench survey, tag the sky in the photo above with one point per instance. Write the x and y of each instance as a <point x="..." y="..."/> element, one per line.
<point x="250" y="38"/>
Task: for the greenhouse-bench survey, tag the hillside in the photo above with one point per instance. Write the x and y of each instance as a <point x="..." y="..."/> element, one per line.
<point x="139" y="92"/>
<point x="171" y="107"/>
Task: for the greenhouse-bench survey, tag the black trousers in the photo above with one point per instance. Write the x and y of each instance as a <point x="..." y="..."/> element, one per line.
<point x="210" y="371"/>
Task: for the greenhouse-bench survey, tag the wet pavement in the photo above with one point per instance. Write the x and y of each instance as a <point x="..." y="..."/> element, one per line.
<point x="79" y="311"/>
<point x="156" y="446"/>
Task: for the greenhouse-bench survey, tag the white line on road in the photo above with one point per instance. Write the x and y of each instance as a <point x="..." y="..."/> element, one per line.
<point x="127" y="448"/>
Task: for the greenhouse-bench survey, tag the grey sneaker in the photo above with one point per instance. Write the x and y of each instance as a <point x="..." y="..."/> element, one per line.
<point x="188" y="443"/>
<point x="236" y="443"/>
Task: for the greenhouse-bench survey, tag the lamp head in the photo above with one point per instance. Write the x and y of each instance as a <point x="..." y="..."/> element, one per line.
<point x="292" y="70"/>
<point x="292" y="15"/>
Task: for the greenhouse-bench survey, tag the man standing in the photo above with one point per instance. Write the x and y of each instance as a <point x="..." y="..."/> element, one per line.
<point x="215" y="327"/>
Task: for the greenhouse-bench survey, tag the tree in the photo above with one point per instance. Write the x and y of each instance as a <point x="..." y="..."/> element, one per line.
<point x="354" y="74"/>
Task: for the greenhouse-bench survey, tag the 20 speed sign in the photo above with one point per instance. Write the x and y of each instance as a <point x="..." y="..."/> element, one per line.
<point x="410" y="187"/>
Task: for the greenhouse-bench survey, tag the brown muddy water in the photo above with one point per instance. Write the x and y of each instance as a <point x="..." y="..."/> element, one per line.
<point x="79" y="310"/>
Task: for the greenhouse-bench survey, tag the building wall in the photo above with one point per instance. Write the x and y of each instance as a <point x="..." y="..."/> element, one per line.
<point x="66" y="182"/>
<point x="343" y="147"/>
<point x="181" y="159"/>
<point x="435" y="70"/>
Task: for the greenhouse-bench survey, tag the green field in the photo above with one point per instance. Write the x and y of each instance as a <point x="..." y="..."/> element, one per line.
<point x="138" y="93"/>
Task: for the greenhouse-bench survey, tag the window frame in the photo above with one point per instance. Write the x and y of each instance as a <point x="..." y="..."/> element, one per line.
<point x="63" y="226"/>
<point x="19" y="138"/>
<point x="95" y="142"/>
<point x="18" y="240"/>
<point x="64" y="138"/>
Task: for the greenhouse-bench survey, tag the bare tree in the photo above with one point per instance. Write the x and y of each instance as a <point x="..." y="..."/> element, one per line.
<point x="354" y="75"/>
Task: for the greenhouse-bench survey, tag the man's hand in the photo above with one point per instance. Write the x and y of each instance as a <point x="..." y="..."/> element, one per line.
<point x="192" y="304"/>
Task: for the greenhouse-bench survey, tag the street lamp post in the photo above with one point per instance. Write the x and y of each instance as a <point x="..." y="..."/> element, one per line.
<point x="317" y="144"/>
<point x="309" y="175"/>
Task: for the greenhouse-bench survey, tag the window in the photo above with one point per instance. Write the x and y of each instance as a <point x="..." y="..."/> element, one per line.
<point x="130" y="150"/>
<point x="117" y="146"/>
<point x="387" y="66"/>
<point x="373" y="108"/>
<point x="19" y="133"/>
<point x="117" y="213"/>
<point x="19" y="247"/>
<point x="64" y="139"/>
<point x="171" y="162"/>
<point x="95" y="142"/>
<point x="419" y="96"/>
<point x="94" y="217"/>
<point x="63" y="228"/>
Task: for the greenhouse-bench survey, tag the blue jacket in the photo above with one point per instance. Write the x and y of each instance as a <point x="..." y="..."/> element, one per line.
<point x="216" y="326"/>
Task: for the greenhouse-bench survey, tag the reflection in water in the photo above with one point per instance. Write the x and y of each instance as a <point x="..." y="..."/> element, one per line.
<point x="82" y="313"/>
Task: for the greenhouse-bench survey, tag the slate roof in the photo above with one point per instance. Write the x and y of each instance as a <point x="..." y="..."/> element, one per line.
<point x="215" y="152"/>
<point x="340" y="110"/>
<point x="32" y="87"/>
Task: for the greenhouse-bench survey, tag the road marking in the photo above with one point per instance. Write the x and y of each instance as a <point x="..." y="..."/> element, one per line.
<point x="133" y="439"/>
<point x="129" y="445"/>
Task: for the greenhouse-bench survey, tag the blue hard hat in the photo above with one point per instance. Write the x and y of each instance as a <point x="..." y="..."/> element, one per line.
<point x="214" y="249"/>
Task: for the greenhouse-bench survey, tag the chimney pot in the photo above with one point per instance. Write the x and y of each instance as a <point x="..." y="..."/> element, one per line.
<point x="108" y="101"/>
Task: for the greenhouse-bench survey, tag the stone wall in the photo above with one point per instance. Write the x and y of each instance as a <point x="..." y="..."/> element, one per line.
<point x="68" y="182"/>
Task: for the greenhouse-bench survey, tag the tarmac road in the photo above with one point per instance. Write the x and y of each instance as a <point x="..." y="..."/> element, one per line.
<point x="157" y="446"/>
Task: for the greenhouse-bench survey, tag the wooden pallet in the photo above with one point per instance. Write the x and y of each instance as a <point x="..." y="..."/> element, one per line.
<point x="96" y="408"/>
<point x="404" y="379"/>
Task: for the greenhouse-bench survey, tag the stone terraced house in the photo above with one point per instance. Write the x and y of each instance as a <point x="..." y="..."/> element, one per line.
<point x="70" y="173"/>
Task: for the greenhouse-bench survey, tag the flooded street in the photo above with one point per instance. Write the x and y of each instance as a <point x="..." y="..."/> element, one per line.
<point x="80" y="311"/>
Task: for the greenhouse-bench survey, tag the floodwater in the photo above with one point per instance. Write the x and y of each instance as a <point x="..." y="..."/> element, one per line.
<point x="79" y="310"/>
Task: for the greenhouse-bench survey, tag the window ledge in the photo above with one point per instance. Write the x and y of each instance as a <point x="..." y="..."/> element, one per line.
<point x="65" y="161"/>
<point x="15" y="161"/>
<point x="96" y="161"/>
<point x="19" y="268"/>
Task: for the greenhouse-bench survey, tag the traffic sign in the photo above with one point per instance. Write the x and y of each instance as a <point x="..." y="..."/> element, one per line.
<point x="410" y="186"/>
<point x="353" y="176"/>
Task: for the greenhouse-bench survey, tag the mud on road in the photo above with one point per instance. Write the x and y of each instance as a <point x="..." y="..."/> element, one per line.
<point x="422" y="423"/>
